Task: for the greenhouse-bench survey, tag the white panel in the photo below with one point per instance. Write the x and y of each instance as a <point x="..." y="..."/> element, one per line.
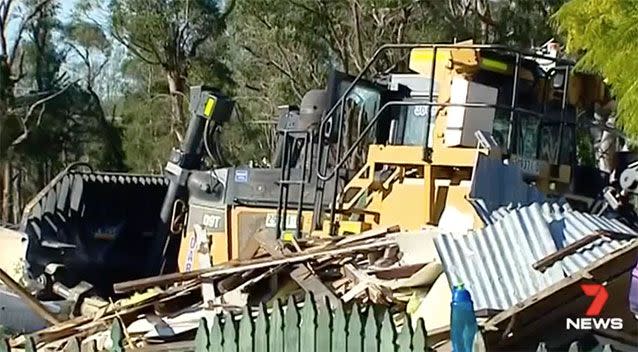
<point x="464" y="122"/>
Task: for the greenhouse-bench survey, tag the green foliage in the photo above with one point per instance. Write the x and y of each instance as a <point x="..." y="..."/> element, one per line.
<point x="52" y="119"/>
<point x="88" y="35"/>
<point x="585" y="148"/>
<point x="149" y="26"/>
<point x="514" y="22"/>
<point x="147" y="138"/>
<point x="603" y="33"/>
<point x="172" y="44"/>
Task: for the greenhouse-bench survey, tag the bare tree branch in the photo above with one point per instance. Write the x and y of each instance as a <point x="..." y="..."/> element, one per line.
<point x="23" y="121"/>
<point x="356" y="18"/>
<point x="280" y="68"/>
<point x="86" y="59"/>
<point x="100" y="68"/>
<point x="132" y="47"/>
<point x="4" y="21"/>
<point x="23" y="25"/>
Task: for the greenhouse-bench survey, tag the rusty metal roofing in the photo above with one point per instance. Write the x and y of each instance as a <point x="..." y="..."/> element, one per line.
<point x="495" y="263"/>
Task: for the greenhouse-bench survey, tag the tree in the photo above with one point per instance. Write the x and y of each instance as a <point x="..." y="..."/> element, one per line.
<point x="12" y="58"/>
<point x="12" y="122"/>
<point x="515" y="22"/>
<point x="168" y="34"/>
<point x="286" y="47"/>
<point x="89" y="42"/>
<point x="50" y="120"/>
<point x="603" y="34"/>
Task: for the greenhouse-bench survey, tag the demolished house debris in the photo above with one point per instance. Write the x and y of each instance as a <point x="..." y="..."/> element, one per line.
<point x="376" y="267"/>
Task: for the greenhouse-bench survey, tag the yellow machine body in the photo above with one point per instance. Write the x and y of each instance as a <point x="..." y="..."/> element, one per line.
<point x="222" y="245"/>
<point x="417" y="192"/>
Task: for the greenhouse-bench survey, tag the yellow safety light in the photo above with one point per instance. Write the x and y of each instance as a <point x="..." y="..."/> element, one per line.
<point x="209" y="107"/>
<point x="493" y="65"/>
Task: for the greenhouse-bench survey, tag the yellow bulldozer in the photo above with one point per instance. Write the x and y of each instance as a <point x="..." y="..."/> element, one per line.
<point x="421" y="149"/>
<point x="468" y="129"/>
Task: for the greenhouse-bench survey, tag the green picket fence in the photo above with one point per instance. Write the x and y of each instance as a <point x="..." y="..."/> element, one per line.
<point x="310" y="329"/>
<point x="291" y="328"/>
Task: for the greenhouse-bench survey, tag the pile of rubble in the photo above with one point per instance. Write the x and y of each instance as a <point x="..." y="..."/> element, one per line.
<point x="523" y="270"/>
<point x="379" y="267"/>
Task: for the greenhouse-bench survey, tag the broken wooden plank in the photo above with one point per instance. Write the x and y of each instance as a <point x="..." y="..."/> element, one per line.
<point x="366" y="235"/>
<point x="546" y="262"/>
<point x="236" y="267"/>
<point x="378" y="294"/>
<point x="303" y="276"/>
<point x="354" y="292"/>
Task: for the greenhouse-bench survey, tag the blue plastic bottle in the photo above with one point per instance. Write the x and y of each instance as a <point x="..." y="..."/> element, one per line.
<point x="463" y="320"/>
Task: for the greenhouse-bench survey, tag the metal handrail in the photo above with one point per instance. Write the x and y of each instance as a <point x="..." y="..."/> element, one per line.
<point x="283" y="201"/>
<point x="404" y="46"/>
<point x="376" y="117"/>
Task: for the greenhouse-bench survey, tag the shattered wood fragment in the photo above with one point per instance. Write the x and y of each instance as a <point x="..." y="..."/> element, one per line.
<point x="366" y="235"/>
<point x="303" y="276"/>
<point x="377" y="294"/>
<point x="389" y="257"/>
<point x="236" y="267"/>
<point x="355" y="292"/>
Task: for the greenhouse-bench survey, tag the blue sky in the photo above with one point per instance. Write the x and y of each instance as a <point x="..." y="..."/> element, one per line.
<point x="67" y="6"/>
<point x="65" y="13"/>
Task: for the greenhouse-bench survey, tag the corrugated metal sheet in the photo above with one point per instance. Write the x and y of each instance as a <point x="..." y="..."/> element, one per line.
<point x="18" y="317"/>
<point x="495" y="263"/>
<point x="499" y="184"/>
<point x="551" y="208"/>
<point x="495" y="184"/>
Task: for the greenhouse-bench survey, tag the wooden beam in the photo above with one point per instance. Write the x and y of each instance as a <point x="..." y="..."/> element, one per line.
<point x="303" y="276"/>
<point x="366" y="235"/>
<point x="236" y="267"/>
<point x="572" y="248"/>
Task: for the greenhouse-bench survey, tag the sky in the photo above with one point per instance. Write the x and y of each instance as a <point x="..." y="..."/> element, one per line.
<point x="65" y="14"/>
<point x="67" y="7"/>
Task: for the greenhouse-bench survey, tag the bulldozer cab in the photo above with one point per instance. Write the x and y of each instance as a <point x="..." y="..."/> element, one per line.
<point x="535" y="125"/>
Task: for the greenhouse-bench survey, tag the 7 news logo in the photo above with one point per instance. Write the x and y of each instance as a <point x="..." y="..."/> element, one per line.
<point x="591" y="319"/>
